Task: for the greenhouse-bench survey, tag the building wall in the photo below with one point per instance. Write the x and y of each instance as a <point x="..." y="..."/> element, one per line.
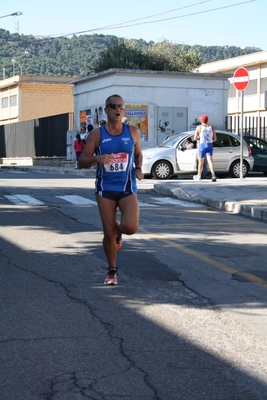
<point x="199" y="93"/>
<point x="254" y="95"/>
<point x="37" y="100"/>
<point x="8" y="112"/>
<point x="27" y="97"/>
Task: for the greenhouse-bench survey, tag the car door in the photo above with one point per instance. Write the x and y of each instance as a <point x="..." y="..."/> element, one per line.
<point x="186" y="159"/>
<point x="223" y="151"/>
<point x="259" y="153"/>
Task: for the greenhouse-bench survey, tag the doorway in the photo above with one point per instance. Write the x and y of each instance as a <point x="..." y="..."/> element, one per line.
<point x="171" y="120"/>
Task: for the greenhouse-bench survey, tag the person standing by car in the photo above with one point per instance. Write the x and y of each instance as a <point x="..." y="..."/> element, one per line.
<point x="116" y="149"/>
<point x="206" y="135"/>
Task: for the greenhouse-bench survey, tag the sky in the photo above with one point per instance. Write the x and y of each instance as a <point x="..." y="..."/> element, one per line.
<point x="208" y="23"/>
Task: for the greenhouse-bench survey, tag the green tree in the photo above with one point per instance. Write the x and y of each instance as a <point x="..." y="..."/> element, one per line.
<point x="162" y="56"/>
<point x="166" y="56"/>
<point x="78" y="56"/>
<point x="120" y="55"/>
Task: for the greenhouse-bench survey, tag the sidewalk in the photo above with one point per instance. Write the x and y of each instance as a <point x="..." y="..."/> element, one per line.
<point x="246" y="196"/>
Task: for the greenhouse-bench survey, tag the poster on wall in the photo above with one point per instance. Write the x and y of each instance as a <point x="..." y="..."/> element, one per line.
<point x="92" y="116"/>
<point x="137" y="115"/>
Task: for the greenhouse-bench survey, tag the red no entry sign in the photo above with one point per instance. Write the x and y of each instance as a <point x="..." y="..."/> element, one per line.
<point x="241" y="79"/>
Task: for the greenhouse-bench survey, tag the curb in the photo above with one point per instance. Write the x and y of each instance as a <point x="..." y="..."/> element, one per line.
<point x="236" y="207"/>
<point x="58" y="170"/>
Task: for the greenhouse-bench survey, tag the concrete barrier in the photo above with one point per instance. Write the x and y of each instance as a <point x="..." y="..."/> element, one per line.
<point x="42" y="161"/>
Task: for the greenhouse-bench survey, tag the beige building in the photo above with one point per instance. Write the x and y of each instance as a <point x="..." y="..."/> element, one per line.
<point x="255" y="95"/>
<point x="27" y="97"/>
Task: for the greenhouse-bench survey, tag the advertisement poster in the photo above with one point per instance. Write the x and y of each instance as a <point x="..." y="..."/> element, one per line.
<point x="92" y="116"/>
<point x="137" y="115"/>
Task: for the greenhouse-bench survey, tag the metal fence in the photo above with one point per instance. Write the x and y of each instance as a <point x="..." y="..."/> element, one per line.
<point x="256" y="126"/>
<point x="44" y="137"/>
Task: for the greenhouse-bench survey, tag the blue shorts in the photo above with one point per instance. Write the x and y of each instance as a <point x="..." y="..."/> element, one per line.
<point x="205" y="149"/>
<point x="115" y="196"/>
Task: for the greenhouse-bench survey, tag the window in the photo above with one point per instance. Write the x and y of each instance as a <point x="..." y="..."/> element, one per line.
<point x="235" y="142"/>
<point x="13" y="101"/>
<point x="255" y="143"/>
<point x="222" y="140"/>
<point x="5" y="102"/>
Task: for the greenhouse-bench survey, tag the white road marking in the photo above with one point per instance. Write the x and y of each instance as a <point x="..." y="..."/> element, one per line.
<point x="168" y="200"/>
<point x="78" y="200"/>
<point x="16" y="172"/>
<point x="22" y="199"/>
<point x="143" y="204"/>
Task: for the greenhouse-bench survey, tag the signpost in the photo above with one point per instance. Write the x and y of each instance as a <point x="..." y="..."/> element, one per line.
<point x="240" y="82"/>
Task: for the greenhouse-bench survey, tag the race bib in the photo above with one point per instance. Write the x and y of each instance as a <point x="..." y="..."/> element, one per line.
<point x="118" y="163"/>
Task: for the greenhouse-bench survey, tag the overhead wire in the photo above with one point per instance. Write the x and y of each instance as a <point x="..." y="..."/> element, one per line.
<point x="136" y="19"/>
<point x="129" y="23"/>
<point x="123" y="24"/>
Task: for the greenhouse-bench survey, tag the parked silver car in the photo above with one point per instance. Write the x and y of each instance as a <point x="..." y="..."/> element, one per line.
<point x="171" y="159"/>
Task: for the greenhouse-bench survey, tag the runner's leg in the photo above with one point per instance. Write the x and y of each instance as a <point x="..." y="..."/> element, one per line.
<point x="200" y="165"/>
<point x="107" y="209"/>
<point x="129" y="209"/>
<point x="211" y="165"/>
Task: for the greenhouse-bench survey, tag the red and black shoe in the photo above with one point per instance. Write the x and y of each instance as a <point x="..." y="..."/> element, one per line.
<point x="111" y="277"/>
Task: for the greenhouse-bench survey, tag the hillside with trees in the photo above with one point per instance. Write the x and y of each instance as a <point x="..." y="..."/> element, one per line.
<point x="83" y="55"/>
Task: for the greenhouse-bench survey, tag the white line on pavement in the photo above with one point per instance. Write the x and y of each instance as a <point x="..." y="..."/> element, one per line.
<point x="177" y="202"/>
<point x="78" y="200"/>
<point x="22" y="199"/>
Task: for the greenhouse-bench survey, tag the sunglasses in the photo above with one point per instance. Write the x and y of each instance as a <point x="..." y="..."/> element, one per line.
<point x="115" y="106"/>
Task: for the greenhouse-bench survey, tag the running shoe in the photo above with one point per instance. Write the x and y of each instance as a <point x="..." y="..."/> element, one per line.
<point x="197" y="178"/>
<point x="118" y="239"/>
<point x="111" y="277"/>
<point x="213" y="178"/>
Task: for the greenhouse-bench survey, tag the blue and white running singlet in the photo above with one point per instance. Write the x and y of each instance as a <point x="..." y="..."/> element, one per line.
<point x="118" y="175"/>
<point x="206" y="134"/>
<point x="205" y="141"/>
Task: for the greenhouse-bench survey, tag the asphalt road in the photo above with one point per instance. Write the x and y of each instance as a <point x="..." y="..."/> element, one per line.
<point x="187" y="321"/>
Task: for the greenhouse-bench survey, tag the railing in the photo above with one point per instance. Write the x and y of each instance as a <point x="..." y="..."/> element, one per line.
<point x="256" y="126"/>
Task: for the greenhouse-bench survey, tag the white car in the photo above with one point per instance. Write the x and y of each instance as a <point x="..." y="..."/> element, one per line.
<point x="171" y="159"/>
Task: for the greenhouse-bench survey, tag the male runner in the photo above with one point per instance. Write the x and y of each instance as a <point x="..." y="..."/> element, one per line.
<point x="116" y="149"/>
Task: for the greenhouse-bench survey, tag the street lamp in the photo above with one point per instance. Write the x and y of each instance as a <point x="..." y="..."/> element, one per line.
<point x="15" y="14"/>
<point x="14" y="62"/>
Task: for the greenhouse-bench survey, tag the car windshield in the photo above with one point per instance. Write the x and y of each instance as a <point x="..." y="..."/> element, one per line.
<point x="171" y="141"/>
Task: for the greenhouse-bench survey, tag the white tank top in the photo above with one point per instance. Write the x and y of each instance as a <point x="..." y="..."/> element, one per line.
<point x="206" y="134"/>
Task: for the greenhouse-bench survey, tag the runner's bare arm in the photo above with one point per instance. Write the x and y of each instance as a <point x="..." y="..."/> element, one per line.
<point x="214" y="136"/>
<point x="138" y="156"/>
<point x="196" y="137"/>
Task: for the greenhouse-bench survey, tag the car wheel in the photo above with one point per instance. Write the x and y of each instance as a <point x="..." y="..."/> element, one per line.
<point x="235" y="169"/>
<point x="162" y="170"/>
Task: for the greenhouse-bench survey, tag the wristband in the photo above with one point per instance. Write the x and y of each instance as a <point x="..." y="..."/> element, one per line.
<point x="140" y="169"/>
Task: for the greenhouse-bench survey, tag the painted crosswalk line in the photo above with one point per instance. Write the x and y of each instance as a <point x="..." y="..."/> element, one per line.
<point x="144" y="204"/>
<point x="168" y="200"/>
<point x="16" y="172"/>
<point x="78" y="200"/>
<point x="23" y="199"/>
